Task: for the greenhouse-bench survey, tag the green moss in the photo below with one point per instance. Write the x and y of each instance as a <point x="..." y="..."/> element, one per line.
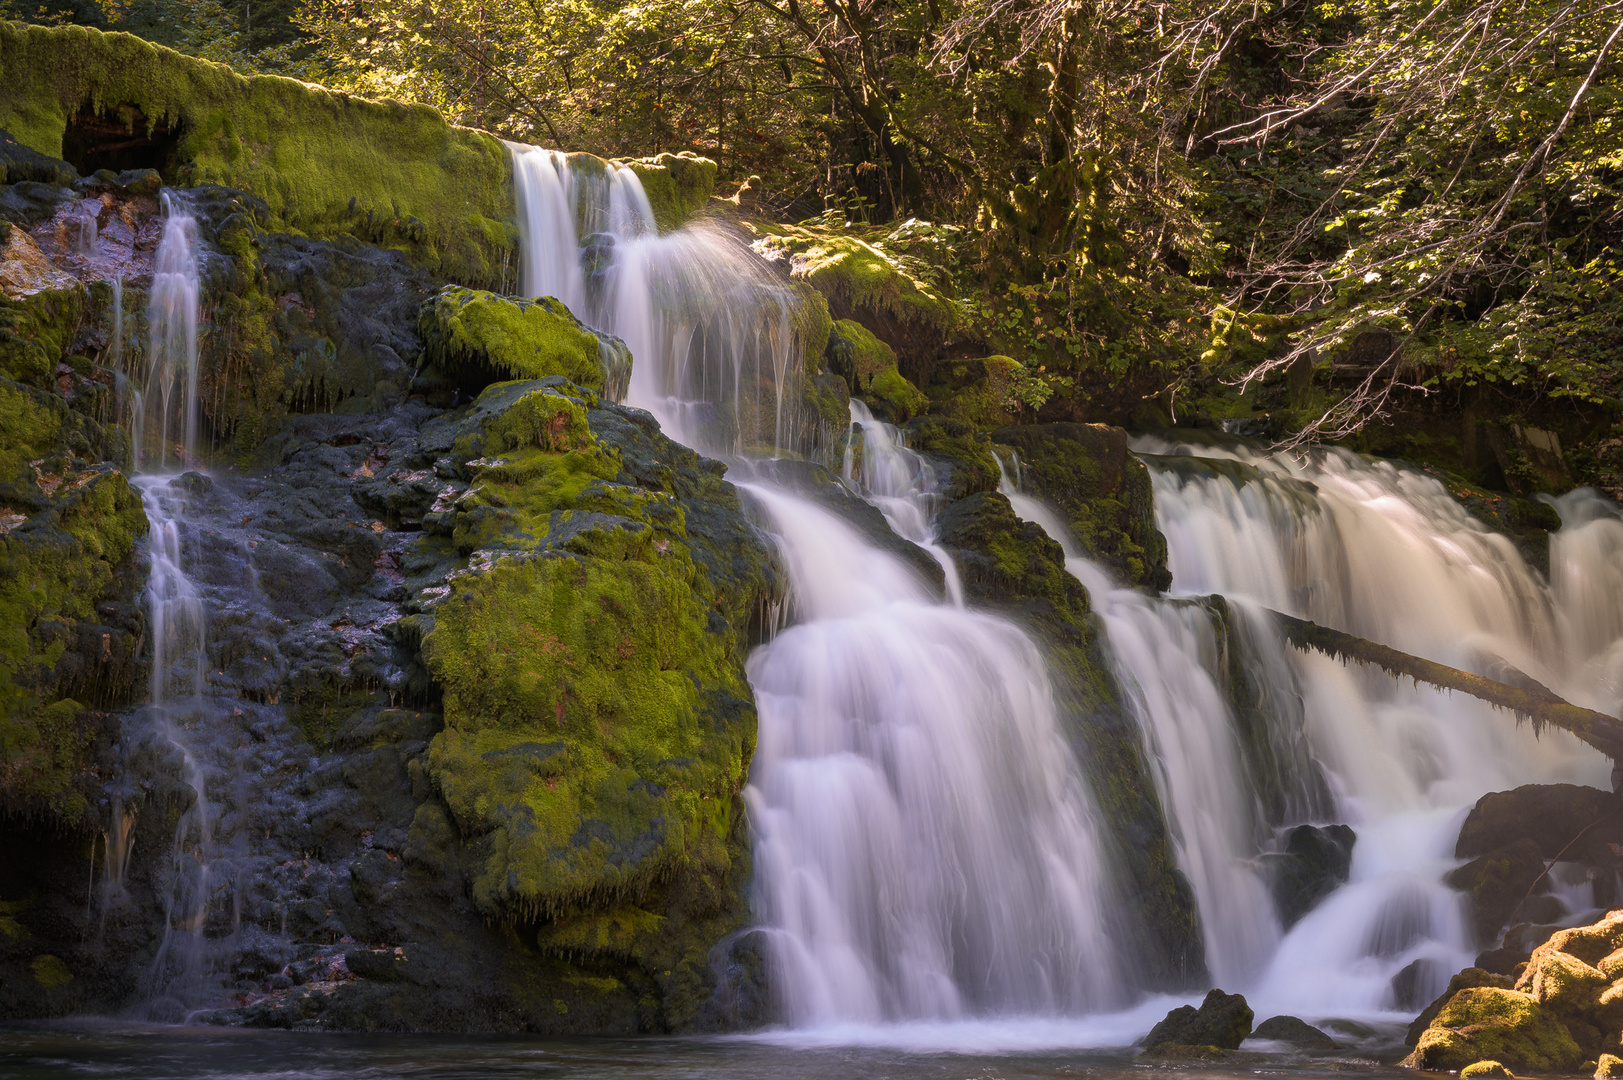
<point x="1087" y="473"/>
<point x="979" y="391"/>
<point x="597" y="727"/>
<point x="521" y="339"/>
<point x="1491" y="1024"/>
<point x="50" y="972"/>
<point x="35" y="331"/>
<point x="678" y="186"/>
<point x="53" y="568"/>
<point x="857" y="276"/>
<point x="323" y="162"/>
<point x="1484" y="1068"/>
<point x="869" y="367"/>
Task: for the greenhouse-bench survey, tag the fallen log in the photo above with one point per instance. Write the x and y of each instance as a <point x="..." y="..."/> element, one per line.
<point x="1529" y="701"/>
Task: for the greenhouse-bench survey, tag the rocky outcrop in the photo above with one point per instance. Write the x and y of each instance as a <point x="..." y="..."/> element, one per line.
<point x="1314" y="862"/>
<point x="1086" y="472"/>
<point x="1565" y="1008"/>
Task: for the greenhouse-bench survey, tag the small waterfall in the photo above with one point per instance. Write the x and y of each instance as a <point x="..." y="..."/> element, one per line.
<point x="178" y="624"/>
<point x="1387" y="554"/>
<point x="179" y="673"/>
<point x="1165" y="656"/>
<point x="926" y="848"/>
<point x="902" y="485"/>
<point x="698" y="298"/>
<point x="172" y="315"/>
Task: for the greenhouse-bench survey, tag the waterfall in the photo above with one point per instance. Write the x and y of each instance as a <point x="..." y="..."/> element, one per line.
<point x="926" y="848"/>
<point x="178" y="624"/>
<point x="1165" y="656"/>
<point x="1387" y="554"/>
<point x="171" y="381"/>
<point x="721" y="326"/>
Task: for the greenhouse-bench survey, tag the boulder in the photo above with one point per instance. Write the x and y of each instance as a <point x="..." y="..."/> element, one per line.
<point x="1223" y="1020"/>
<point x="1552" y="816"/>
<point x="1489" y="1023"/>
<point x="1315" y="861"/>
<point x="1484" y="1068"/>
<point x="1296" y="1032"/>
<point x="1497" y="883"/>
<point x="1609" y="1067"/>
<point x="1465" y="980"/>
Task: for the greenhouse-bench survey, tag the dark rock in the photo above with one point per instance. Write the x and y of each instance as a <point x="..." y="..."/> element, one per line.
<point x="1497" y="884"/>
<point x="19" y="163"/>
<point x="1502" y="961"/>
<point x="1315" y="861"/>
<point x="1298" y="1033"/>
<point x="1565" y="821"/>
<point x="1412" y="986"/>
<point x="1223" y="1020"/>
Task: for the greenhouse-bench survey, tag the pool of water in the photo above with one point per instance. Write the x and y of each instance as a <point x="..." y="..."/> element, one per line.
<point x="86" y="1050"/>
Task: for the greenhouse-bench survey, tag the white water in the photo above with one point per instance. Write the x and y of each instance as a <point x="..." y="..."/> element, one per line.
<point x="167" y="406"/>
<point x="926" y="849"/>
<point x="721" y="327"/>
<point x="1388" y="555"/>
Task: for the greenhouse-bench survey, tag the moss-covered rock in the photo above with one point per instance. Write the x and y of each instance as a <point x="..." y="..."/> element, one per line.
<point x="323" y="162"/>
<point x="868" y="366"/>
<point x="1485" y="1069"/>
<point x="58" y="558"/>
<point x="678" y="186"/>
<point x="1488" y="1023"/>
<point x="480" y="336"/>
<point x="977" y="390"/>
<point x="1087" y="472"/>
<point x="863" y="283"/>
<point x="598" y="724"/>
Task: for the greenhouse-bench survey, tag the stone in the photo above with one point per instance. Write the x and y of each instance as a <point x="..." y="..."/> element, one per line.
<point x="1298" y="1033"/>
<point x="1488" y="1023"/>
<point x="1470" y="977"/>
<point x="1484" y="1068"/>
<point x="1315" y="862"/>
<point x="1497" y="883"/>
<point x="1609" y="1067"/>
<point x="1223" y="1020"/>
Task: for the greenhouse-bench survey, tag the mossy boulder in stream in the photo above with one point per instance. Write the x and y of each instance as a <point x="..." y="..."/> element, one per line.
<point x="1565" y="1008"/>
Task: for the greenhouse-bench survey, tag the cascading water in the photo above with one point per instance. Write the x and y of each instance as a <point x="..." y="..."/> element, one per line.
<point x="1165" y="655"/>
<point x="1386" y="554"/>
<point x="178" y="621"/>
<point x="169" y="396"/>
<point x="926" y="847"/>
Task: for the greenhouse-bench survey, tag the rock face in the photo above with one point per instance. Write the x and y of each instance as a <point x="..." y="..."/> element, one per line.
<point x="1565" y="1008"/>
<point x="1223" y="1020"/>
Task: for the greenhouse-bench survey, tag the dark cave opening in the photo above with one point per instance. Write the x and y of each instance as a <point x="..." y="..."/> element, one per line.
<point x="120" y="138"/>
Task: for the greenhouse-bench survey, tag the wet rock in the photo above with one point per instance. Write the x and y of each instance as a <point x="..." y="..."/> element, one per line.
<point x="1609" y="1067"/>
<point x="1223" y="1020"/>
<point x="1412" y="985"/>
<point x="1087" y="473"/>
<point x="1551" y="816"/>
<point x="1497" y="884"/>
<point x="1296" y="1032"/>
<point x="1488" y="1023"/>
<point x="1314" y="863"/>
<point x="1485" y="1069"/>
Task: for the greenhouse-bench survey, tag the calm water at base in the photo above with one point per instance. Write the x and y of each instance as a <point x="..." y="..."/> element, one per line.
<point x="114" y="1050"/>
